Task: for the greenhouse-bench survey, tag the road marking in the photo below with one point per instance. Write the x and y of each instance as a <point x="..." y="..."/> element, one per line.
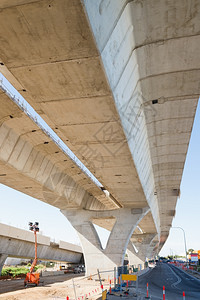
<point x="178" y="279"/>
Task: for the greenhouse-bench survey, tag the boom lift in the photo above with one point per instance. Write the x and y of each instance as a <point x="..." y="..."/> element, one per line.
<point x="31" y="277"/>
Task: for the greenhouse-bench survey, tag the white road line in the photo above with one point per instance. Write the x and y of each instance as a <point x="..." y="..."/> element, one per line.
<point x="178" y="279"/>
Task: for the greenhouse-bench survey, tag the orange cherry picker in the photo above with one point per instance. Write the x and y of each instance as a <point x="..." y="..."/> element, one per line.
<point x="31" y="277"/>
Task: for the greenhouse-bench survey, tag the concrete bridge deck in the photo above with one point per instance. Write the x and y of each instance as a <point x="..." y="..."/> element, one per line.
<point x="15" y="242"/>
<point x="118" y="82"/>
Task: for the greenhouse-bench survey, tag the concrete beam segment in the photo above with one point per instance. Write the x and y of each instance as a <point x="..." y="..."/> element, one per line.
<point x="143" y="244"/>
<point x="16" y="233"/>
<point x="14" y="247"/>
<point x="78" y="102"/>
<point x="43" y="170"/>
<point x="28" y="236"/>
<point x="3" y="258"/>
<point x="81" y="107"/>
<point x="113" y="255"/>
<point x="146" y="62"/>
<point x="146" y="225"/>
<point x="15" y="242"/>
<point x="143" y="62"/>
<point x="68" y="246"/>
<point x="121" y="66"/>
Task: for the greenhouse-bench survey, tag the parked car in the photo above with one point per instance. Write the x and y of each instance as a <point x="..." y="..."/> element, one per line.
<point x="79" y="269"/>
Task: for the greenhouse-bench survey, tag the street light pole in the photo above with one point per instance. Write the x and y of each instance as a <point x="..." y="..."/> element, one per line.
<point x="35" y="229"/>
<point x="184" y="241"/>
<point x="33" y="278"/>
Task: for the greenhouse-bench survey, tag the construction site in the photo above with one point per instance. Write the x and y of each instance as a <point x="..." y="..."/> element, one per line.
<point x="61" y="280"/>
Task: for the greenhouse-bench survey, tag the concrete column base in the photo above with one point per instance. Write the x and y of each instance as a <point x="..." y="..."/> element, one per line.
<point x="95" y="256"/>
<point x="3" y="258"/>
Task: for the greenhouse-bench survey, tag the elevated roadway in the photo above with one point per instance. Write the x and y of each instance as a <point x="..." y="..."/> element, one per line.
<point x="15" y="242"/>
<point x="118" y="82"/>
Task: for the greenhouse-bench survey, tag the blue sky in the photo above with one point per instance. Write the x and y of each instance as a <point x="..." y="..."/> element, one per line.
<point x="188" y="206"/>
<point x="18" y="209"/>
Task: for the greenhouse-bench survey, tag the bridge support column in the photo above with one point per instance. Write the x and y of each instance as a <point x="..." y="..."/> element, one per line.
<point x="143" y="243"/>
<point x="2" y="260"/>
<point x="132" y="256"/>
<point x="95" y="256"/>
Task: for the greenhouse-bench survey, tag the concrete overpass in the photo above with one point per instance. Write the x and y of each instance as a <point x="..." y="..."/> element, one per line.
<point x="118" y="82"/>
<point x="15" y="242"/>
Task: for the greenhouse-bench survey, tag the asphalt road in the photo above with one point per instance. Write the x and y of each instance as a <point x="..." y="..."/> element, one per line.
<point x="175" y="281"/>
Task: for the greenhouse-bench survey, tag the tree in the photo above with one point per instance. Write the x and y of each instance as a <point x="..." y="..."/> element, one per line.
<point x="190" y="251"/>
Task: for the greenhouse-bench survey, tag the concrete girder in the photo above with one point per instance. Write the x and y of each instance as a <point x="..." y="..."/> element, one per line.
<point x="78" y="84"/>
<point x="15" y="242"/>
<point x="56" y="187"/>
<point x="145" y="226"/>
<point x="151" y="251"/>
<point x="143" y="244"/>
<point x="147" y="64"/>
<point x="3" y="258"/>
<point x="153" y="244"/>
<point x="143" y="62"/>
<point x="113" y="254"/>
<point x="12" y="247"/>
<point x="32" y="163"/>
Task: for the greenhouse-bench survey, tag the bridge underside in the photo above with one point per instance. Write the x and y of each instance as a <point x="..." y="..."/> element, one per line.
<point x="15" y="242"/>
<point x="124" y="103"/>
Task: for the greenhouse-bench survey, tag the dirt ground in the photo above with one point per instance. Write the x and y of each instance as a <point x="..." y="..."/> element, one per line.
<point x="55" y="287"/>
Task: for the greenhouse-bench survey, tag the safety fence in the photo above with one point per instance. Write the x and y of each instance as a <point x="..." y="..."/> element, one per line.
<point x="182" y="266"/>
<point x="110" y="280"/>
<point x="186" y="267"/>
<point x="93" y="292"/>
<point x="111" y="286"/>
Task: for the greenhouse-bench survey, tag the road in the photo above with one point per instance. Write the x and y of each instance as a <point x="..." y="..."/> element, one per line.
<point x="175" y="281"/>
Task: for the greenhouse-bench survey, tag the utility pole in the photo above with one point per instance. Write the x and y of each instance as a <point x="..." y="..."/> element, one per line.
<point x="184" y="242"/>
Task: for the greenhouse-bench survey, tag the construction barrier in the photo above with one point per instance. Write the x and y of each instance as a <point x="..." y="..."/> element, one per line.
<point x="104" y="292"/>
<point x="163" y="292"/>
<point x="81" y="297"/>
<point x="104" y="295"/>
<point x="147" y="296"/>
<point x="129" y="277"/>
<point x="121" y="277"/>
